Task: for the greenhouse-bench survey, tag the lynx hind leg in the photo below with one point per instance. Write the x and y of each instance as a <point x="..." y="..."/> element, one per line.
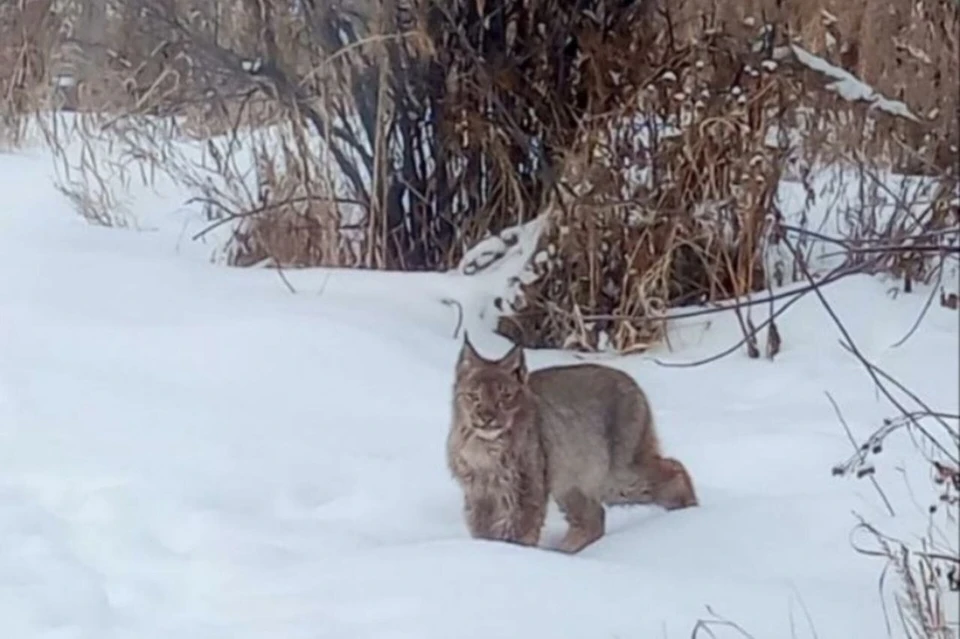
<point x="532" y="518"/>
<point x="635" y="436"/>
<point x="647" y="477"/>
<point x="657" y="480"/>
<point x="586" y="520"/>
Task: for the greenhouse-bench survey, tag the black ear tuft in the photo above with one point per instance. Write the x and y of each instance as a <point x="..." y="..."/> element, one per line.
<point x="515" y="362"/>
<point x="468" y="355"/>
<point x="467" y="349"/>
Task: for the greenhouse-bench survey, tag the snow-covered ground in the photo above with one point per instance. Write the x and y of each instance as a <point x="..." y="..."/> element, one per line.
<point x="191" y="451"/>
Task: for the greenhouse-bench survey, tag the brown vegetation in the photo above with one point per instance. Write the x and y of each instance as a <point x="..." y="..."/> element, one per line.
<point x="672" y="123"/>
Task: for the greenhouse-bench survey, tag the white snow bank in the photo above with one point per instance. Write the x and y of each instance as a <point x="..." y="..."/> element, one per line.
<point x="191" y="451"/>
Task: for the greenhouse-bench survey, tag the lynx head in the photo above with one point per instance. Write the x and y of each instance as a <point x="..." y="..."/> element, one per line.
<point x="491" y="395"/>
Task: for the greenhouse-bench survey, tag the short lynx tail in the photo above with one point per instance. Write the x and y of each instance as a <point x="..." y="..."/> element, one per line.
<point x="671" y="485"/>
<point x="663" y="480"/>
<point x="649" y="477"/>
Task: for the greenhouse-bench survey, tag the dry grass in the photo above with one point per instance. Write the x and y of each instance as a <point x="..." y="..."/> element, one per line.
<point x="921" y="576"/>
<point x="440" y="126"/>
<point x="27" y="35"/>
<point x="693" y="217"/>
<point x="298" y="223"/>
<point x="680" y="220"/>
<point x="905" y="50"/>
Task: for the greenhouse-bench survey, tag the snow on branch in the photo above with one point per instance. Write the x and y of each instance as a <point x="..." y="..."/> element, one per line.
<point x="845" y="84"/>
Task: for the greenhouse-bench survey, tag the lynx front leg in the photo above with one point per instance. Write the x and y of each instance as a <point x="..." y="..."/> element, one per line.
<point x="586" y="520"/>
<point x="500" y="518"/>
<point x="480" y="514"/>
<point x="533" y="510"/>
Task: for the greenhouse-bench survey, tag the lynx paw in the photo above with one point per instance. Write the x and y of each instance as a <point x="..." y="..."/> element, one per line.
<point x="576" y="540"/>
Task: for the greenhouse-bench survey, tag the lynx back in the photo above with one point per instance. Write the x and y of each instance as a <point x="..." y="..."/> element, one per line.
<point x="601" y="447"/>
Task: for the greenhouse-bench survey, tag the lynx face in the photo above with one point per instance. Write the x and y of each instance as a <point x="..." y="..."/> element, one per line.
<point x="491" y="394"/>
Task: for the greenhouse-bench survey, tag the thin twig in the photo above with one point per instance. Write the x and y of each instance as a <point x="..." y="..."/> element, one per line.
<point x="283" y="276"/>
<point x="926" y="307"/>
<point x="860" y="453"/>
<point x="233" y="215"/>
<point x="833" y="276"/>
<point x="449" y="301"/>
<point x="850" y="345"/>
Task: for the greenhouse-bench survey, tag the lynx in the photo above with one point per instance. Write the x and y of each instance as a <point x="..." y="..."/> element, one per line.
<point x="583" y="434"/>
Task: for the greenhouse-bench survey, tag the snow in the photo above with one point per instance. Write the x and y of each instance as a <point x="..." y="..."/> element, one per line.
<point x="845" y="84"/>
<point x="191" y="451"/>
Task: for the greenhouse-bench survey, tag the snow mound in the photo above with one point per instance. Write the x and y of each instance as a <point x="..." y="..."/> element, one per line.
<point x="192" y="451"/>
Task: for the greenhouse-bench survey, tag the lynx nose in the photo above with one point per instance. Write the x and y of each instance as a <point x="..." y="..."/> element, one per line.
<point x="485" y="416"/>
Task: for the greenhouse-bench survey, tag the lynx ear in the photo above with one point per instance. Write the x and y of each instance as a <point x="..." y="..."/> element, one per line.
<point x="515" y="362"/>
<point x="469" y="356"/>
